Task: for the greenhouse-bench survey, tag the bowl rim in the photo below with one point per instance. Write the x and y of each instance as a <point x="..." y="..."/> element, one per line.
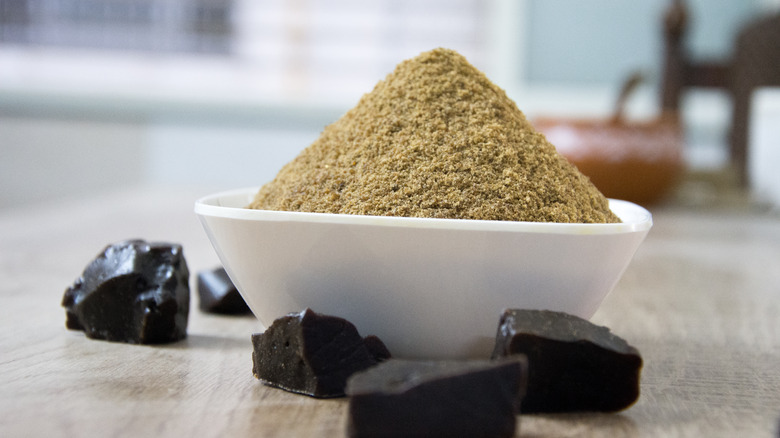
<point x="226" y="204"/>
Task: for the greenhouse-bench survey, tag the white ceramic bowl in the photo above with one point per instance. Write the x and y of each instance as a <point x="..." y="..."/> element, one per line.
<point x="429" y="288"/>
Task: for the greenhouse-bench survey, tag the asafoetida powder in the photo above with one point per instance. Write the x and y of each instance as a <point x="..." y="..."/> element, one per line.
<point x="436" y="138"/>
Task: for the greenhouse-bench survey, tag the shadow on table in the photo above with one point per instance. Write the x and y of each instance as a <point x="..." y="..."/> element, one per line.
<point x="200" y="341"/>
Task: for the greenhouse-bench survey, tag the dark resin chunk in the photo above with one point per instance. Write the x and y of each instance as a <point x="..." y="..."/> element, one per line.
<point x="313" y="354"/>
<point x="474" y="398"/>
<point x="573" y="365"/>
<point x="217" y="294"/>
<point x="134" y="292"/>
<point x="376" y="348"/>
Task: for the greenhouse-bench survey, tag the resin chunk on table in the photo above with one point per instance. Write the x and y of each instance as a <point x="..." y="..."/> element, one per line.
<point x="313" y="354"/>
<point x="218" y="294"/>
<point x="573" y="364"/>
<point x="475" y="398"/>
<point x="134" y="291"/>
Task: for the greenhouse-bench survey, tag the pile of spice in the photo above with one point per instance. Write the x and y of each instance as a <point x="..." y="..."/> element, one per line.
<point x="436" y="138"/>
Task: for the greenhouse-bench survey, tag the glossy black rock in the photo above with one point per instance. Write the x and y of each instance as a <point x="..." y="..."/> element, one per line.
<point x="573" y="365"/>
<point x="313" y="354"/>
<point x="134" y="292"/>
<point x="474" y="398"/>
<point x="217" y="294"/>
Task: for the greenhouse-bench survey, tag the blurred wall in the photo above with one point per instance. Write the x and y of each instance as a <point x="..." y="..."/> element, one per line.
<point x="46" y="159"/>
<point x="78" y="120"/>
<point x="602" y="41"/>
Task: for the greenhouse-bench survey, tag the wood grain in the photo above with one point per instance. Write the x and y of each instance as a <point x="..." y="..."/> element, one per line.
<point x="701" y="301"/>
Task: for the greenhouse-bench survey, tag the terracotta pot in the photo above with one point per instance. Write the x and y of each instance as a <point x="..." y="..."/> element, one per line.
<point x="637" y="162"/>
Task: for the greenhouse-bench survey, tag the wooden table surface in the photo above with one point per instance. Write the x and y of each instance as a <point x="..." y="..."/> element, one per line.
<point x="701" y="301"/>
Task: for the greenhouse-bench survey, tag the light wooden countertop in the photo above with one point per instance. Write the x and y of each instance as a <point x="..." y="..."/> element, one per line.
<point x="701" y="301"/>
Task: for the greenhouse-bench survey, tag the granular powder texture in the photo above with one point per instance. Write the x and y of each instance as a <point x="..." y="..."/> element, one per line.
<point x="436" y="139"/>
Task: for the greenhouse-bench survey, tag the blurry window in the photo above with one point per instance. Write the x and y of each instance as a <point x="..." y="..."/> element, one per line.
<point x="197" y="26"/>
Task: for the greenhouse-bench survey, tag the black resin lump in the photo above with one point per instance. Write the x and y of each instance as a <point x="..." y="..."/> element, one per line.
<point x="573" y="365"/>
<point x="474" y="398"/>
<point x="217" y="294"/>
<point x="134" y="292"/>
<point x="376" y="348"/>
<point x="313" y="354"/>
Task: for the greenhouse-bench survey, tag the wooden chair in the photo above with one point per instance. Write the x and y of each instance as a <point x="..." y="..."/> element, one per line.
<point x="755" y="63"/>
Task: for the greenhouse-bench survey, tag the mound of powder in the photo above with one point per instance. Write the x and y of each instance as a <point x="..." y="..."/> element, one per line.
<point x="436" y="138"/>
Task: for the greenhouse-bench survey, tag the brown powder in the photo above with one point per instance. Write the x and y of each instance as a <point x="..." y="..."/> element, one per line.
<point x="435" y="139"/>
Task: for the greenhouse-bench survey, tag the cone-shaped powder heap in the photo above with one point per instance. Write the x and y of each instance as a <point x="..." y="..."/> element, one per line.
<point x="436" y="139"/>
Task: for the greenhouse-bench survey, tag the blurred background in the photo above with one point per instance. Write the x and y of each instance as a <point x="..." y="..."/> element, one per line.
<point x="97" y="95"/>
